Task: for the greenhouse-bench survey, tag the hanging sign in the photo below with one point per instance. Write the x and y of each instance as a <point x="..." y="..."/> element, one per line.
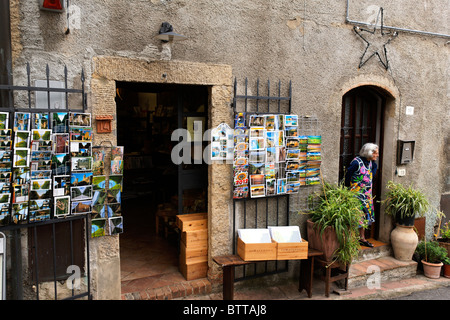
<point x="222" y="142"/>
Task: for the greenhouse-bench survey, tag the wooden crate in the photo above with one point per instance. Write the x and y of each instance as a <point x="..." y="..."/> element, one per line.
<point x="188" y="254"/>
<point x="197" y="238"/>
<point x="292" y="250"/>
<point x="195" y="269"/>
<point x="192" y="221"/>
<point x="257" y="251"/>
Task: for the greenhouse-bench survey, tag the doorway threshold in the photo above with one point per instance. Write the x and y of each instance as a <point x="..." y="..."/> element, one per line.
<point x="380" y="249"/>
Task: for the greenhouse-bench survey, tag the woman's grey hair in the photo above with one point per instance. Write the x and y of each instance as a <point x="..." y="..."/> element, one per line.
<point x="367" y="150"/>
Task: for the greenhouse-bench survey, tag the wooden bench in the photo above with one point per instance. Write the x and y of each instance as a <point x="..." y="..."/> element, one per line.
<point x="228" y="263"/>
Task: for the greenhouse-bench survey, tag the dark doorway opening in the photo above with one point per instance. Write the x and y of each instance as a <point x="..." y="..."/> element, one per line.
<point x="362" y="122"/>
<point x="155" y="188"/>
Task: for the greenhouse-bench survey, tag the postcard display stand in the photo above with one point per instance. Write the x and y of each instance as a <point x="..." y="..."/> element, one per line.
<point x="47" y="173"/>
<point x="272" y="157"/>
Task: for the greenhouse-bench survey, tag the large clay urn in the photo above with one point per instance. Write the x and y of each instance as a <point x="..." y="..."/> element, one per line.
<point x="404" y="242"/>
<point x="327" y="242"/>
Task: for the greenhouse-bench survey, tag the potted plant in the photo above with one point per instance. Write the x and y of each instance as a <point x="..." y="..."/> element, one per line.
<point x="446" y="267"/>
<point x="432" y="256"/>
<point x="333" y="225"/>
<point x="443" y="237"/>
<point x="404" y="204"/>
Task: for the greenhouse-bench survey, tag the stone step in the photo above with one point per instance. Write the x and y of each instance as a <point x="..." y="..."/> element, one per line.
<point x="379" y="250"/>
<point x="383" y="269"/>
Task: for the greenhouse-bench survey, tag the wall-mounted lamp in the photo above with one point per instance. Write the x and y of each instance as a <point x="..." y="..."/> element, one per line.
<point x="166" y="33"/>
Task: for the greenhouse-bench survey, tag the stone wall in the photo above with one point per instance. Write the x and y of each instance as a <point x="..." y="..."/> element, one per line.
<point x="308" y="43"/>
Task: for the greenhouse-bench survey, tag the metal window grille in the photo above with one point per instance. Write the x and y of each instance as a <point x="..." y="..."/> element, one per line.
<point x="267" y="211"/>
<point x="10" y="90"/>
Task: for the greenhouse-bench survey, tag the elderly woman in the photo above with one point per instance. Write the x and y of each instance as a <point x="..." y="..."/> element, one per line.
<point x="359" y="177"/>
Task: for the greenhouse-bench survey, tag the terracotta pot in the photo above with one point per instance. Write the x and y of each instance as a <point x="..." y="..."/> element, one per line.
<point x="404" y="242"/>
<point x="432" y="270"/>
<point x="327" y="243"/>
<point x="447" y="270"/>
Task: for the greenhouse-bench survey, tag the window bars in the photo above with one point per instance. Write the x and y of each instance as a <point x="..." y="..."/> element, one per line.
<point x="26" y="94"/>
<point x="267" y="211"/>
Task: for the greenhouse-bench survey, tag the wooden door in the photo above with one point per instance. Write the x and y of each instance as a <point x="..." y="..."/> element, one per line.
<point x="362" y="110"/>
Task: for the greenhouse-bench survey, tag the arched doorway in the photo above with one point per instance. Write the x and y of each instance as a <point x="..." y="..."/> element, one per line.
<point x="362" y="122"/>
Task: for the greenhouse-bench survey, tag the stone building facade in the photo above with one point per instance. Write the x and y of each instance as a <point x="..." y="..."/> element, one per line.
<point x="311" y="43"/>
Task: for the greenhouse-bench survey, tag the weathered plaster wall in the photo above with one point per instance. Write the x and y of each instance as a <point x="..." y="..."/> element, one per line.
<point x="307" y="42"/>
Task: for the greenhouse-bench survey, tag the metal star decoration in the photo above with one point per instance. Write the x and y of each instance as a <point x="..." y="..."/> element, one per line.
<point x="372" y="50"/>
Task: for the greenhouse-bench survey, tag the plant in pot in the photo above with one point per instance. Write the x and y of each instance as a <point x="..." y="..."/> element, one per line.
<point x="333" y="225"/>
<point x="446" y="267"/>
<point x="432" y="256"/>
<point x="443" y="237"/>
<point x="404" y="204"/>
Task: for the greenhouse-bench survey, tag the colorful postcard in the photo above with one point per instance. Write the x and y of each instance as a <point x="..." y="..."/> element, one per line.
<point x="113" y="209"/>
<point x="271" y="187"/>
<point x="291" y="120"/>
<point x="279" y="122"/>
<point x="42" y="184"/>
<point x="80" y="119"/>
<point x="4" y="120"/>
<point x="22" y="139"/>
<point x="115" y="225"/>
<point x="42" y="145"/>
<point x="81" y="163"/>
<point x="240" y="192"/>
<point x="61" y="185"/>
<point x="80" y="134"/>
<point x="257" y="179"/>
<point x="257" y="191"/>
<point x="256" y="168"/>
<point x="61" y="164"/>
<point x="41" y="155"/>
<point x="62" y="206"/>
<point x="257" y="156"/>
<point x="61" y="143"/>
<point x="114" y="196"/>
<point x="98" y="197"/>
<point x="81" y="149"/>
<point x="41" y="174"/>
<point x="21" y="157"/>
<point x="281" y="186"/>
<point x="40" y="194"/>
<point x="21" y="175"/>
<point x="60" y="122"/>
<point x="117" y="167"/>
<point x="98" y="227"/>
<point x="81" y="193"/>
<point x="257" y="144"/>
<point x="78" y="179"/>
<point x="257" y="132"/>
<point x="239" y="120"/>
<point x="293" y="187"/>
<point x="40" y="120"/>
<point x="314" y="139"/>
<point x="269" y="122"/>
<point x="292" y="154"/>
<point x="257" y="121"/>
<point x="22" y="121"/>
<point x="117" y="153"/>
<point x="19" y="212"/>
<point x="115" y="182"/>
<point x="271" y="154"/>
<point x="81" y="207"/>
<point x="281" y="154"/>
<point x="291" y="132"/>
<point x="41" y="135"/>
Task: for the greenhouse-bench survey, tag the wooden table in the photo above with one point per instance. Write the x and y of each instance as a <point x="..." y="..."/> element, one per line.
<point x="307" y="271"/>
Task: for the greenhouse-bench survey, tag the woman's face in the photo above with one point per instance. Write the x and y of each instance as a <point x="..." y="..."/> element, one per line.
<point x="374" y="155"/>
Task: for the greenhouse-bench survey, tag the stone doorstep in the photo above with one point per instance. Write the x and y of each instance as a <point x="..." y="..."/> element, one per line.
<point x="177" y="290"/>
<point x="388" y="267"/>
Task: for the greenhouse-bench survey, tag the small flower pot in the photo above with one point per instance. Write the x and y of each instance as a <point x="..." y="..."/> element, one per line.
<point x="432" y="270"/>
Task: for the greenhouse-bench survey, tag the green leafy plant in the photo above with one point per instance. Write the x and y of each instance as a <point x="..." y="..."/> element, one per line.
<point x="338" y="207"/>
<point x="446" y="260"/>
<point x="404" y="201"/>
<point x="431" y="252"/>
<point x="445" y="232"/>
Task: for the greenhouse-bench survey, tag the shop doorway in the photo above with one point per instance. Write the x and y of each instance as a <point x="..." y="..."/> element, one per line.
<point x="362" y="122"/>
<point x="155" y="188"/>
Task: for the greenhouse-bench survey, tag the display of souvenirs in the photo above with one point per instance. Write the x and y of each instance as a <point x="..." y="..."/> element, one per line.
<point x="46" y="170"/>
<point x="222" y="142"/>
<point x="279" y="159"/>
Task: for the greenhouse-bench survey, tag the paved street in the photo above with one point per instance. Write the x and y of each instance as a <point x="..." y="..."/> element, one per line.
<point x="432" y="294"/>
